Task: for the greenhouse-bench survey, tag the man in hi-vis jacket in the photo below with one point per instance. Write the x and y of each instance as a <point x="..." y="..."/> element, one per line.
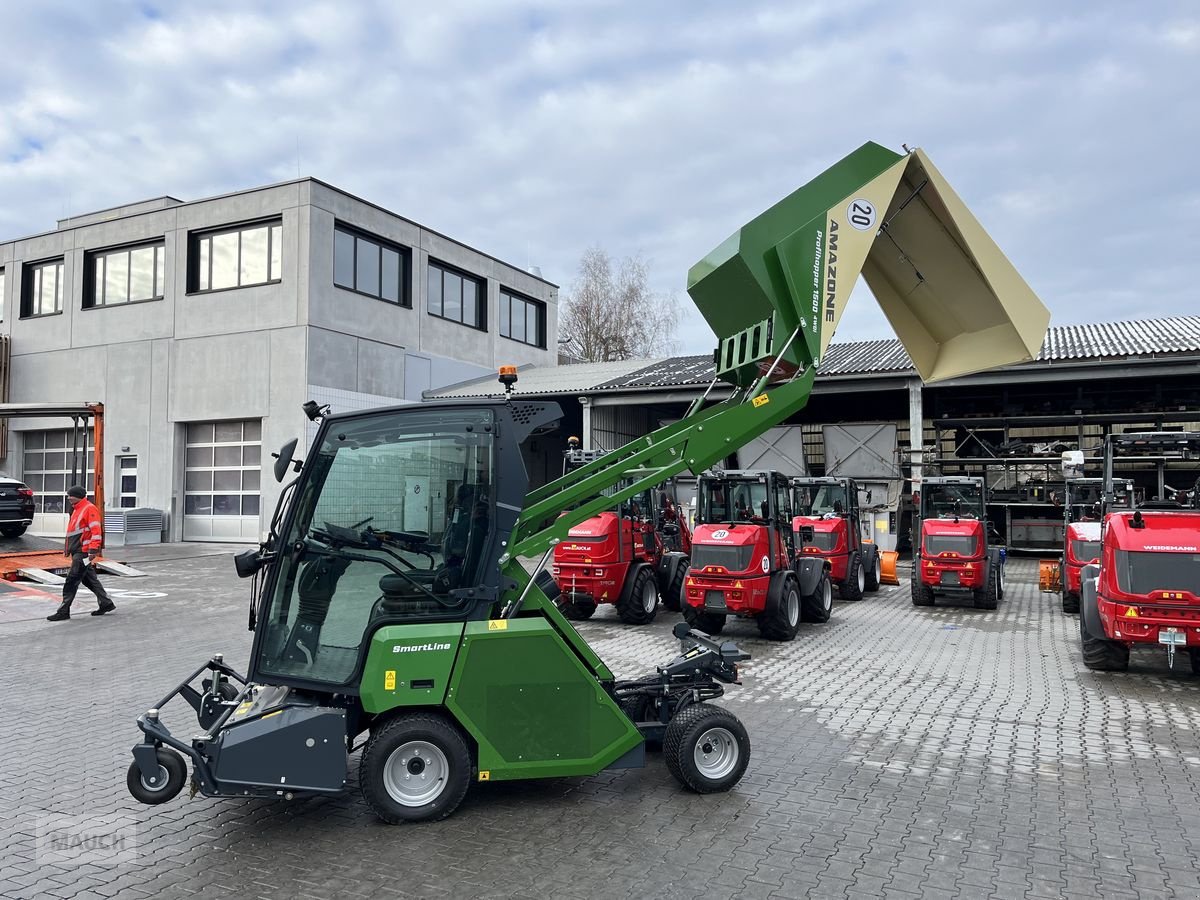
<point x="85" y="534"/>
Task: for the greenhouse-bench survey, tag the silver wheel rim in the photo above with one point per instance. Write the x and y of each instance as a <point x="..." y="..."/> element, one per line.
<point x="827" y="596"/>
<point x="649" y="596"/>
<point x="415" y="774"/>
<point x="716" y="753"/>
<point x="162" y="776"/>
<point x="793" y="606"/>
<point x="878" y="569"/>
<point x="861" y="578"/>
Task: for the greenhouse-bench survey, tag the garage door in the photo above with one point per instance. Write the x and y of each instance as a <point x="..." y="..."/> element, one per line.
<point x="221" y="481"/>
<point x="46" y="469"/>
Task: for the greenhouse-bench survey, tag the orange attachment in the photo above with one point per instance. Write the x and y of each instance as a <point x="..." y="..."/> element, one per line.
<point x="1050" y="576"/>
<point x="887" y="566"/>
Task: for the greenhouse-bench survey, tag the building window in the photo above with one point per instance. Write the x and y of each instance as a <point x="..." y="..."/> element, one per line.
<point x="42" y="289"/>
<point x="236" y="257"/>
<point x="128" y="275"/>
<point x="223" y="468"/>
<point x="522" y="319"/>
<point x="127" y="488"/>
<point x="47" y="466"/>
<point x="371" y="266"/>
<point x="457" y="296"/>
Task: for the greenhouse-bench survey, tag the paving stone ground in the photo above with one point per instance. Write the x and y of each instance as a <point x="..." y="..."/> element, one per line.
<point x="897" y="752"/>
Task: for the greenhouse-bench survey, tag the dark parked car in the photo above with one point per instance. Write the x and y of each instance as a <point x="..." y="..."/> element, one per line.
<point x="16" y="507"/>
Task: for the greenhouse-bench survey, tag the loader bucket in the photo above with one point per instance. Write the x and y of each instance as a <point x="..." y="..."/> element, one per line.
<point x="774" y="292"/>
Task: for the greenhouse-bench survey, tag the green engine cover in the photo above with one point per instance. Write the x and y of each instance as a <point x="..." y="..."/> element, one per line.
<point x="409" y="665"/>
<point x="532" y="706"/>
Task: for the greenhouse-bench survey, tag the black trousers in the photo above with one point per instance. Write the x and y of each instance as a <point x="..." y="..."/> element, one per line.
<point x="81" y="572"/>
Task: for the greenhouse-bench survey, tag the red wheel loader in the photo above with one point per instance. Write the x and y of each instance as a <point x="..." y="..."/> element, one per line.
<point x="828" y="525"/>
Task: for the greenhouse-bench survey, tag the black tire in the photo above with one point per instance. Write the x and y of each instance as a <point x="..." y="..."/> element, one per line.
<point x="856" y="579"/>
<point x="922" y="594"/>
<point x="781" y="619"/>
<point x="13" y="531"/>
<point x="415" y="745"/>
<point x="706" y="748"/>
<point x="874" y="573"/>
<point x="817" y="607"/>
<point x="1070" y="602"/>
<point x="999" y="582"/>
<point x="1194" y="655"/>
<point x="638" y="603"/>
<point x="673" y="599"/>
<point x="709" y="623"/>
<point x="1100" y="655"/>
<point x="575" y="610"/>
<point x="172" y="775"/>
<point x="988" y="598"/>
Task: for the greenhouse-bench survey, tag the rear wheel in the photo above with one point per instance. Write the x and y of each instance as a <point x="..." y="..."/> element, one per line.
<point x="1101" y="655"/>
<point x="13" y="531"/>
<point x="1194" y="655"/>
<point x="874" y="573"/>
<point x="709" y="623"/>
<point x="576" y="610"/>
<point x="922" y="594"/>
<point x="638" y="603"/>
<point x="164" y="784"/>
<point x="781" y="618"/>
<point x="988" y="597"/>
<point x="1000" y="582"/>
<point x="706" y="748"/>
<point x="856" y="579"/>
<point x="1070" y="601"/>
<point x="416" y="768"/>
<point x="673" y="598"/>
<point x="818" y="606"/>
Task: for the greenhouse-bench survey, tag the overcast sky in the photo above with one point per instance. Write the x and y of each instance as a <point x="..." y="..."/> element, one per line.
<point x="534" y="130"/>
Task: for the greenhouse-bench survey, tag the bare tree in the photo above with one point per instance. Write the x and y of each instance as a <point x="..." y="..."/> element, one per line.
<point x="613" y="315"/>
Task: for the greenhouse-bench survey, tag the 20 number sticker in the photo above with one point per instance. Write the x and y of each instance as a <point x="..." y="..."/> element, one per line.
<point x="861" y="214"/>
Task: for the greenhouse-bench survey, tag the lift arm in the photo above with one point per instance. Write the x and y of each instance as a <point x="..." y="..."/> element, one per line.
<point x="774" y="292"/>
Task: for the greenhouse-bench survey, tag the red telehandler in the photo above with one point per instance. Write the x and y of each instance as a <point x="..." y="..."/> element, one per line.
<point x="1146" y="589"/>
<point x="630" y="556"/>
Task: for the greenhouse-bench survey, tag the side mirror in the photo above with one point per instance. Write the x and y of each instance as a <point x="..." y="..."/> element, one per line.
<point x="247" y="563"/>
<point x="868" y="496"/>
<point x="283" y="458"/>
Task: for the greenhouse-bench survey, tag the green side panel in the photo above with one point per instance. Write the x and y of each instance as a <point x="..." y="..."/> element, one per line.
<point x="410" y="665"/>
<point x="532" y="706"/>
<point x="759" y="271"/>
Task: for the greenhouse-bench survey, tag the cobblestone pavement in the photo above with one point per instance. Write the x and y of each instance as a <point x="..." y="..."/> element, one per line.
<point x="897" y="752"/>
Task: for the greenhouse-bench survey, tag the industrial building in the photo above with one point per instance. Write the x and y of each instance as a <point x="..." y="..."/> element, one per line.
<point x="203" y="326"/>
<point x="1009" y="425"/>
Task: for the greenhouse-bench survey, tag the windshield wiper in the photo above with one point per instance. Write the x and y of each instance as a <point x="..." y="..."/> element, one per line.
<point x="319" y="546"/>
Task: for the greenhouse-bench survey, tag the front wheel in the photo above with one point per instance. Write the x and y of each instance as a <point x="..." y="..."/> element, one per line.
<point x="709" y="623"/>
<point x="706" y="748"/>
<point x="164" y="784"/>
<point x="922" y="594"/>
<point x="575" y="610"/>
<point x="416" y="768"/>
<point x="781" y="619"/>
<point x="673" y="598"/>
<point x="874" y="573"/>
<point x="856" y="579"/>
<point x="638" y="603"/>
<point x="1100" y="655"/>
<point x="1070" y="602"/>
<point x="818" y="606"/>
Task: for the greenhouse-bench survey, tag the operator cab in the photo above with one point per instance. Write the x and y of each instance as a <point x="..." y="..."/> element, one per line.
<point x="814" y="499"/>
<point x="952" y="499"/>
<point x="737" y="497"/>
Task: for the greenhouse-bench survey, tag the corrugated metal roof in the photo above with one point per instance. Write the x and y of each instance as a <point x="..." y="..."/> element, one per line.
<point x="1107" y="340"/>
<point x="566" y="379"/>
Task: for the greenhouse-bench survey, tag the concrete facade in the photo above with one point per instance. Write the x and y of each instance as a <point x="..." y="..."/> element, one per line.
<point x="253" y="353"/>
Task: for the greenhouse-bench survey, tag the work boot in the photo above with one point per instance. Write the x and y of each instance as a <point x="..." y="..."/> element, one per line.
<point x="60" y="614"/>
<point x="106" y="607"/>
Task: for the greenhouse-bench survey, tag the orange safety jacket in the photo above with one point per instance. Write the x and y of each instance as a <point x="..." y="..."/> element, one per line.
<point x="85" y="532"/>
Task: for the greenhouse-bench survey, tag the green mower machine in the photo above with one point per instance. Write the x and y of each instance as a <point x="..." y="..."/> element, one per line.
<point x="436" y="651"/>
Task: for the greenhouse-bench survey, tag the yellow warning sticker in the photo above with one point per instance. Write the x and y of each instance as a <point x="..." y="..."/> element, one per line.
<point x="1131" y="613"/>
<point x="485" y="775"/>
<point x="389" y="680"/>
<point x="761" y="400"/>
<point x="497" y="624"/>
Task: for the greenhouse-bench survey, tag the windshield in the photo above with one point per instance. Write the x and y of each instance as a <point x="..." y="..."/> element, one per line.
<point x="962" y="544"/>
<point x="733" y="500"/>
<point x="393" y="514"/>
<point x="1085" y="551"/>
<point x="949" y="500"/>
<point x="819" y="499"/>
<point x="1140" y="572"/>
<point x="1084" y="499"/>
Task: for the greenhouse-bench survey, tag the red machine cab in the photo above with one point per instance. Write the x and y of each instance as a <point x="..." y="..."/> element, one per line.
<point x="828" y="524"/>
<point x="952" y="555"/>
<point x="743" y="554"/>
